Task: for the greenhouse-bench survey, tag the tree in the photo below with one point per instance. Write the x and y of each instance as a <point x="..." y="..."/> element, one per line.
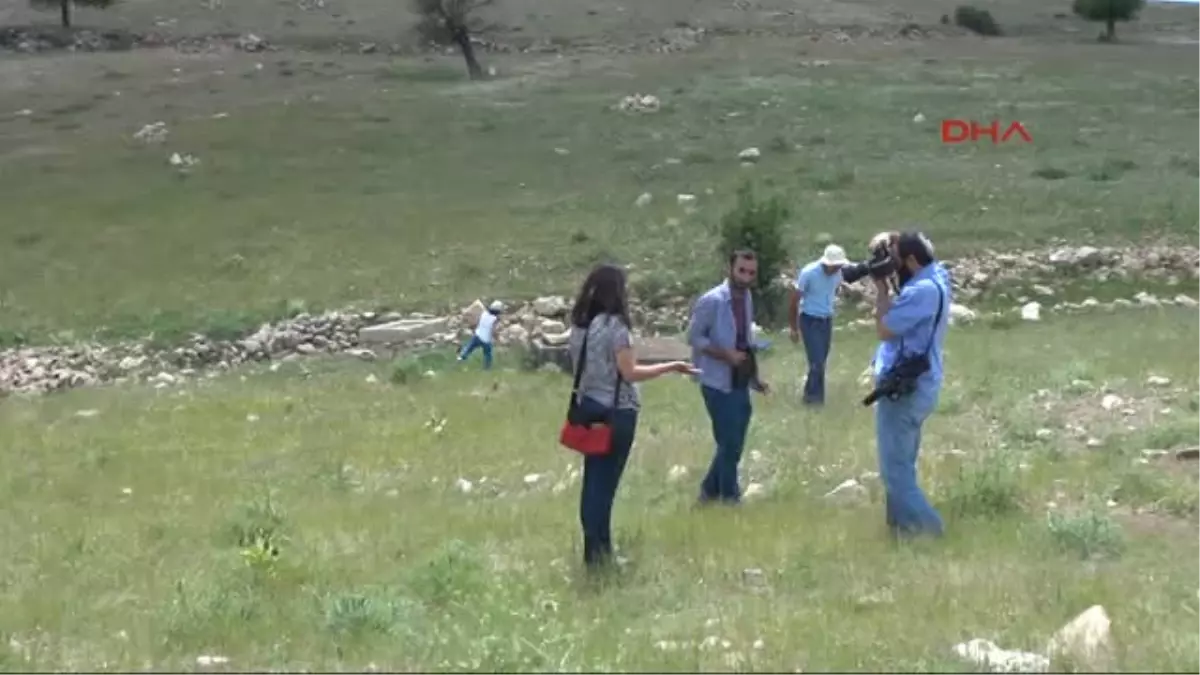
<point x="64" y="7"/>
<point x="445" y="22"/>
<point x="759" y="225"/>
<point x="1108" y="11"/>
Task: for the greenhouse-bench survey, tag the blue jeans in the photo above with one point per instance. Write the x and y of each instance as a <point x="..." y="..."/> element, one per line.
<point x="730" y="415"/>
<point x="474" y="344"/>
<point x="601" y="477"/>
<point x="818" y="338"/>
<point x="898" y="437"/>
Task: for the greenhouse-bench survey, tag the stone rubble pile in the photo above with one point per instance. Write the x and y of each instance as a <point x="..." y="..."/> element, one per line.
<point x="540" y="325"/>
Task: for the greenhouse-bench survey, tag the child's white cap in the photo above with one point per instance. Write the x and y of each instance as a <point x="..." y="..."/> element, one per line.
<point x="496" y="306"/>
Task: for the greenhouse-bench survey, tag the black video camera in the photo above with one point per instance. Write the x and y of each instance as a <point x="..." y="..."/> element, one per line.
<point x="900" y="380"/>
<point x="880" y="266"/>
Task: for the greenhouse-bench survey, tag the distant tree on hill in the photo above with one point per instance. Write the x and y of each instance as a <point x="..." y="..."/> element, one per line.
<point x="65" y="7"/>
<point x="1108" y="11"/>
<point x="445" y="22"/>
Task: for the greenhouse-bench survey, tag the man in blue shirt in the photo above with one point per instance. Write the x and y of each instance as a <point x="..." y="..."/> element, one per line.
<point x="909" y="325"/>
<point x="813" y="299"/>
<point x="720" y="338"/>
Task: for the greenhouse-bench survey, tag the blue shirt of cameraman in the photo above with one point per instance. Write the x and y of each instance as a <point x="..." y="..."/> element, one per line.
<point x="910" y="319"/>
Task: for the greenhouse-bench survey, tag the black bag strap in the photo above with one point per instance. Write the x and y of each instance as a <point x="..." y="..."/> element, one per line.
<point x="937" y="321"/>
<point x="579" y="372"/>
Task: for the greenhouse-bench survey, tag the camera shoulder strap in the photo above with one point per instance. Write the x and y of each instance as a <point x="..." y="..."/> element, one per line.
<point x="937" y="319"/>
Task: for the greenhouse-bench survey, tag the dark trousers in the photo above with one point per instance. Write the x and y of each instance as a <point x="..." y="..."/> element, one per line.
<point x="601" y="477"/>
<point x="818" y="338"/>
<point x="730" y="416"/>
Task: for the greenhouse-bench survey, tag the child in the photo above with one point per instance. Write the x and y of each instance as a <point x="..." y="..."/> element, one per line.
<point x="483" y="334"/>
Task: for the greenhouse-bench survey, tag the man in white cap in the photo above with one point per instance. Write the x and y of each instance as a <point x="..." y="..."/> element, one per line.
<point x="811" y="316"/>
<point x="484" y="330"/>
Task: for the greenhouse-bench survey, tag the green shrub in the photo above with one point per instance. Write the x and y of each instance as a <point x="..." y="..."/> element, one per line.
<point x="976" y="20"/>
<point x="758" y="225"/>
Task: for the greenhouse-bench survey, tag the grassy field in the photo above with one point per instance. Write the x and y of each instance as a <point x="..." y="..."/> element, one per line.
<point x="133" y="516"/>
<point x="337" y="179"/>
<point x="123" y="527"/>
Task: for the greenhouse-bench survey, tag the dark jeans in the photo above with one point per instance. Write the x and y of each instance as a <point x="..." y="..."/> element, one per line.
<point x="474" y="344"/>
<point x="730" y="415"/>
<point x="601" y="477"/>
<point x="818" y="338"/>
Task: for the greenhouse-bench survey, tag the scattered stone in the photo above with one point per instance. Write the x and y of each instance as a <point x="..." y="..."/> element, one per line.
<point x="155" y="132"/>
<point x="753" y="490"/>
<point x="686" y="199"/>
<point x="961" y="313"/>
<point x="1031" y="311"/>
<point x="207" y="660"/>
<point x="918" y="118"/>
<point x="987" y="654"/>
<point x="1085" y="640"/>
<point x="643" y="200"/>
<point x="1185" y="301"/>
<point x="1044" y="434"/>
<point x="750" y="155"/>
<point x="464" y="486"/>
<point x="849" y="491"/>
<point x="753" y="576"/>
<point x="402" y="331"/>
<point x="532" y="478"/>
<point x="87" y="413"/>
<point x="251" y="43"/>
<point x="1110" y="401"/>
<point x="1157" y="381"/>
<point x="639" y="103"/>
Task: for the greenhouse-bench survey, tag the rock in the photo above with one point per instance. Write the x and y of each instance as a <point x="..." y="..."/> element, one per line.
<point x="639" y="103"/>
<point x="556" y="339"/>
<point x="551" y="306"/>
<point x="961" y="313"/>
<point x="1157" y="381"/>
<point x="532" y="478"/>
<point x="155" y="132"/>
<point x="1031" y="311"/>
<point x="750" y="155"/>
<point x="1085" y="640"/>
<point x="251" y="43"/>
<point x="464" y="486"/>
<point x="849" y="491"/>
<point x="988" y="655"/>
<point x="685" y="199"/>
<point x="553" y="327"/>
<point x="643" y="200"/>
<point x="1185" y="301"/>
<point x="211" y="660"/>
<point x="753" y="576"/>
<point x="1147" y="300"/>
<point x="402" y="331"/>
<point x="753" y="490"/>
<point x="918" y="118"/>
<point x="471" y="313"/>
<point x="1110" y="401"/>
<point x="542" y="354"/>
<point x="1043" y="290"/>
<point x="1044" y="434"/>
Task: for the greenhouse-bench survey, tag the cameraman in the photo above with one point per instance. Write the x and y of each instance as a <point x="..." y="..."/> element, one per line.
<point x="912" y="328"/>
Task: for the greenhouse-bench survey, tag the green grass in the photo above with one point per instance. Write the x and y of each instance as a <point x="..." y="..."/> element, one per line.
<point x="356" y="181"/>
<point x="310" y="519"/>
<point x="130" y="535"/>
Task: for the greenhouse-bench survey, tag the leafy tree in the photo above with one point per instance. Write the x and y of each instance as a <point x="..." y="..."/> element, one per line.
<point x="1108" y="11"/>
<point x="65" y="7"/>
<point x="445" y="22"/>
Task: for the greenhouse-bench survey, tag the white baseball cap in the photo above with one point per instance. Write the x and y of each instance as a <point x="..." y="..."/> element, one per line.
<point x="834" y="256"/>
<point x="496" y="306"/>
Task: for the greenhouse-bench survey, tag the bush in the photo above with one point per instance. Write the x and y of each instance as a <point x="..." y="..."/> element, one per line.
<point x="990" y="488"/>
<point x="976" y="20"/>
<point x="1091" y="534"/>
<point x="758" y="225"/>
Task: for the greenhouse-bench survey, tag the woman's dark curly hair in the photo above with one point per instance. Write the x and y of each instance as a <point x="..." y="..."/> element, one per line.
<point x="603" y="292"/>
